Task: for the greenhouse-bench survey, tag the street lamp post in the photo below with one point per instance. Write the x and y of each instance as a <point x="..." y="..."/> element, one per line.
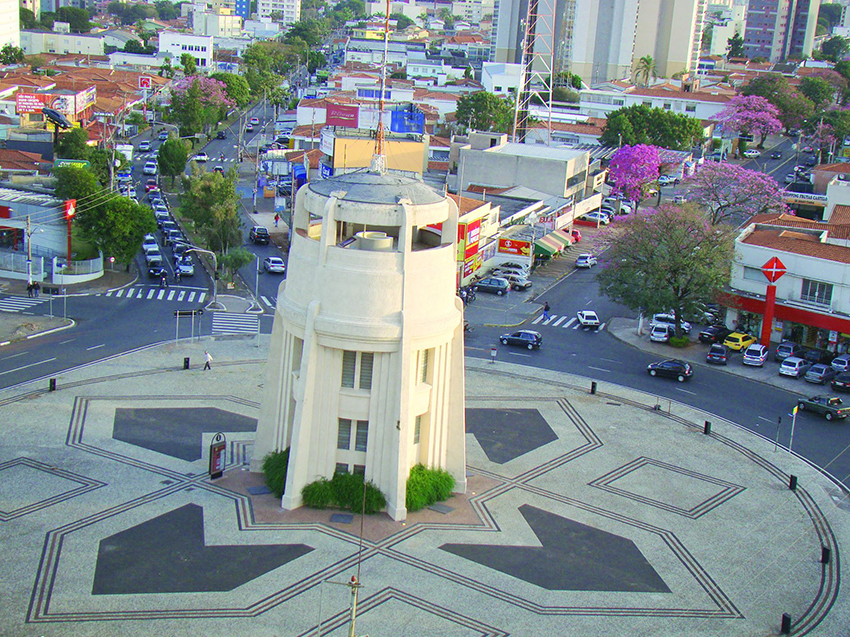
<point x="215" y="270"/>
<point x="30" y="231"/>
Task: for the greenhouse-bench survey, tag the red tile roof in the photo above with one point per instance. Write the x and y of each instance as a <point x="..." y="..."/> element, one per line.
<point x="314" y="155"/>
<point x="798" y="243"/>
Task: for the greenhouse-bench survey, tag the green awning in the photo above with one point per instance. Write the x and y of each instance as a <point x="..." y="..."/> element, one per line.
<point x="544" y="247"/>
<point x="561" y="237"/>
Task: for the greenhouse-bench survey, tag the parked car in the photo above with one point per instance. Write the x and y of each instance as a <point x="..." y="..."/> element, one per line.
<point x="150" y="168"/>
<point x="523" y="338"/>
<point x="661" y="333"/>
<point x="717" y="354"/>
<point x="738" y="341"/>
<point x="585" y="261"/>
<point x="790" y="178"/>
<point x="841" y="382"/>
<point x="144" y="145"/>
<point x="576" y="234"/>
<point x="671" y="368"/>
<point x="667" y="180"/>
<point x="819" y="373"/>
<point x="669" y="319"/>
<point x="588" y="318"/>
<point x="679" y="198"/>
<point x="221" y="135"/>
<point x="794" y="366"/>
<point x="714" y="334"/>
<point x="841" y="363"/>
<point x="201" y="157"/>
<point x="596" y="216"/>
<point x="830" y="406"/>
<point x="518" y="281"/>
<point x="259" y="234"/>
<point x="493" y="284"/>
<point x="814" y="355"/>
<point x="786" y="349"/>
<point x="274" y="264"/>
<point x="756" y="354"/>
<point x="163" y="135"/>
<point x="514" y="266"/>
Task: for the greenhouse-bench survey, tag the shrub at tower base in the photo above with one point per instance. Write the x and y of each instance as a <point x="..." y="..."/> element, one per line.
<point x="345" y="491"/>
<point x="274" y="468"/>
<point x="427" y="486"/>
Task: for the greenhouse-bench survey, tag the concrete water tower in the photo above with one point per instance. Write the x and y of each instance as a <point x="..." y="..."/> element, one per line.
<point x="365" y="370"/>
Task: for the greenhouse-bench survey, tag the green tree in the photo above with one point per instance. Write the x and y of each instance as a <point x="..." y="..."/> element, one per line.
<point x="794" y="107"/>
<point x="234" y="259"/>
<point x="76" y="17"/>
<point x="843" y="69"/>
<point x="645" y="69"/>
<point x="47" y="20"/>
<point x="187" y="61"/>
<point x="835" y="48"/>
<point x="10" y="54"/>
<point x="402" y="21"/>
<point x="166" y="70"/>
<point x="563" y="94"/>
<point x="830" y="14"/>
<point x="73" y="144"/>
<point x="315" y="60"/>
<point x="166" y="10"/>
<point x="134" y="46"/>
<point x="80" y="184"/>
<point x="172" y="158"/>
<point x="818" y="90"/>
<point x="118" y="226"/>
<point x="735" y="46"/>
<point x="102" y="166"/>
<point x="211" y="201"/>
<point x="484" y="111"/>
<point x="237" y="87"/>
<point x="27" y="18"/>
<point x="671" y="259"/>
<point x="640" y="124"/>
<point x="310" y="31"/>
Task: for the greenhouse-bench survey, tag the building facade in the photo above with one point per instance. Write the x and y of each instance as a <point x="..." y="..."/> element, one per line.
<point x="365" y="372"/>
<point x="35" y="42"/>
<point x="781" y="29"/>
<point x="288" y="10"/>
<point x="198" y="46"/>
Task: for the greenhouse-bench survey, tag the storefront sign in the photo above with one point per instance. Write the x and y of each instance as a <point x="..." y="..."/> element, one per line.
<point x="217" y="449"/>
<point x="471" y="264"/>
<point x="512" y="246"/>
<point x="86" y="98"/>
<point x="473" y="233"/>
<point x="773" y="270"/>
<point x="67" y="163"/>
<point x="805" y="198"/>
<point x="342" y="115"/>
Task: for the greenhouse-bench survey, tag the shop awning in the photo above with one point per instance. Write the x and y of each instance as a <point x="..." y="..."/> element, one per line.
<point x="547" y="246"/>
<point x="562" y="236"/>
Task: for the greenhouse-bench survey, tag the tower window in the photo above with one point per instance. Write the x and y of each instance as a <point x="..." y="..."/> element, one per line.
<point x="357" y="365"/>
<point x="343" y="436"/>
<point x="423" y="365"/>
<point x="349" y="362"/>
<point x="366" y="360"/>
<point x="417" y="430"/>
<point x="359" y="470"/>
<point x="362" y="435"/>
<point x="341" y="467"/>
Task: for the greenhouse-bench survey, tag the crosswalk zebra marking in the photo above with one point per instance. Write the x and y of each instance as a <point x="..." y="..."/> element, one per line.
<point x="537" y="320"/>
<point x="181" y="295"/>
<point x="151" y="293"/>
<point x="119" y="292"/>
<point x="558" y="322"/>
<point x="191" y="297"/>
<point x="570" y="322"/>
<point x="171" y="295"/>
<point x="18" y="303"/>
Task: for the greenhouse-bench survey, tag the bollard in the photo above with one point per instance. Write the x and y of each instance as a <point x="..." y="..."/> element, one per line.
<point x="792" y="483"/>
<point x="493" y="351"/>
<point x="786" y="624"/>
<point x="186" y="363"/>
<point x="593" y="387"/>
<point x="52" y="384"/>
<point x="824" y="555"/>
<point x="706" y="429"/>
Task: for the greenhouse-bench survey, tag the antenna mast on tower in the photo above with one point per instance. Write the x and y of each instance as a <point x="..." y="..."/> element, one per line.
<point x="379" y="159"/>
<point x="538" y="67"/>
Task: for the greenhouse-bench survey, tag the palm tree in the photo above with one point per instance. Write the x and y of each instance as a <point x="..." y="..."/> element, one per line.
<point x="645" y="68"/>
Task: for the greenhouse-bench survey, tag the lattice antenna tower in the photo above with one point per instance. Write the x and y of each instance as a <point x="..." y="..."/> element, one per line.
<point x="538" y="67"/>
<point x="379" y="159"/>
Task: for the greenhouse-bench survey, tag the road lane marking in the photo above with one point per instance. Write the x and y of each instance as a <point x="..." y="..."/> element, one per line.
<point x="160" y="295"/>
<point x="601" y="327"/>
<point x="519" y="354"/>
<point x="609" y="360"/>
<point x="70" y="340"/>
<point x="201" y="297"/>
<point x="559" y="321"/>
<point x="191" y="297"/>
<point x="14" y="355"/>
<point x="171" y="295"/>
<point x="88" y="349"/>
<point x="570" y="322"/>
<point x="766" y="420"/>
<point x="599" y="369"/>
<point x="534" y="322"/>
<point x="576" y="326"/>
<point x="119" y="292"/>
<point x="181" y="295"/>
<point x="152" y="292"/>
<point x="686" y="391"/>
<point x="17" y="369"/>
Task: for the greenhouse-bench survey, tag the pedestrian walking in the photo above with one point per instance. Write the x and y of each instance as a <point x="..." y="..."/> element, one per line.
<point x="36" y="288"/>
<point x="177" y="276"/>
<point x="29" y="290"/>
<point x="546" y="315"/>
<point x="207" y="361"/>
<point x="276" y="219"/>
<point x="163" y="281"/>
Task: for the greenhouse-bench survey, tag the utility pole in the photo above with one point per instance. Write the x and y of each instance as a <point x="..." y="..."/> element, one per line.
<point x="29" y="253"/>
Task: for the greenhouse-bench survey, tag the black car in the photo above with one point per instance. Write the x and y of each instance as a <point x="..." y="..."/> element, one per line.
<point x="714" y="334"/>
<point x="815" y="355"/>
<point x="841" y="382"/>
<point x="523" y="338"/>
<point x="221" y="135"/>
<point x="776" y="154"/>
<point x="259" y="234"/>
<point x="671" y="368"/>
<point x="717" y="354"/>
<point x="493" y="284"/>
<point x="157" y="272"/>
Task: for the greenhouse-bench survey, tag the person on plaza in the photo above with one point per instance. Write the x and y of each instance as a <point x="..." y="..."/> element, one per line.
<point x="29" y="290"/>
<point x="36" y="288"/>
<point x="276" y="219"/>
<point x="207" y="360"/>
<point x="546" y="315"/>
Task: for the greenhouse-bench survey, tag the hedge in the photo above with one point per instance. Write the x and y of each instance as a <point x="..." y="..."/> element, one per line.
<point x="426" y="486"/>
<point x="275" y="465"/>
<point x="345" y="491"/>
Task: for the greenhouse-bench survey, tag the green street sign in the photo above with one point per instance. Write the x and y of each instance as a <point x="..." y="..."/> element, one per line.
<point x="67" y="163"/>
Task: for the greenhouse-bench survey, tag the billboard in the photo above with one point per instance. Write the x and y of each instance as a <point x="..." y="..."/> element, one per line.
<point x="34" y="102"/>
<point x="86" y="98"/>
<point x="473" y="234"/>
<point x="68" y="105"/>
<point x="407" y="121"/>
<point x="341" y="115"/>
<point x="512" y="246"/>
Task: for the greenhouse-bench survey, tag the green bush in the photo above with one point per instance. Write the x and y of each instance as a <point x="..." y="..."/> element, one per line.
<point x="318" y="494"/>
<point x="426" y="486"/>
<point x="345" y="491"/>
<point x="275" y="465"/>
<point x="679" y="341"/>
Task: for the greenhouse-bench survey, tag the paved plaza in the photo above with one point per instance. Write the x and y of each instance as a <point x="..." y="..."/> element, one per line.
<point x="586" y="514"/>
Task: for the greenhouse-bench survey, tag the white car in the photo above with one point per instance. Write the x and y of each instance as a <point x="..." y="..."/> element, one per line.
<point x="667" y="180"/>
<point x="755" y="354"/>
<point x="669" y="319"/>
<point x="597" y="217"/>
<point x="751" y="153"/>
<point x="274" y="264"/>
<point x="149" y="242"/>
<point x="200" y="157"/>
<point x="185" y="267"/>
<point x="150" y="168"/>
<point x="588" y="318"/>
<point x="585" y="261"/>
<point x="144" y="145"/>
<point x="255" y="120"/>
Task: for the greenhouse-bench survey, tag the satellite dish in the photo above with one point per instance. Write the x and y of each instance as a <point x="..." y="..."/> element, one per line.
<point x="55" y="117"/>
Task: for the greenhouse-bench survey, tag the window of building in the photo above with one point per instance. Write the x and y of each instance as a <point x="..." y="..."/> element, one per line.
<point x="349" y="363"/>
<point x="343" y="436"/>
<point x="359" y="470"/>
<point x="423" y="365"/>
<point x="357" y="365"/>
<point x="366" y="360"/>
<point x="816" y="292"/>
<point x="362" y="435"/>
<point x="667" y="106"/>
<point x="753" y="274"/>
<point x="417" y="429"/>
<point x="690" y="108"/>
<point x="647" y="102"/>
<point x="341" y="467"/>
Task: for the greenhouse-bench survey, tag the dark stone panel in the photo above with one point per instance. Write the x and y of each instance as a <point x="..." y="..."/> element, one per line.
<point x="175" y="432"/>
<point x="167" y="555"/>
<point x="505" y="434"/>
<point x="574" y="557"/>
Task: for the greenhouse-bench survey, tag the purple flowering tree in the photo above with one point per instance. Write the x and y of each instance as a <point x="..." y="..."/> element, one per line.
<point x="750" y="115"/>
<point x="730" y="193"/>
<point x="633" y="169"/>
<point x="197" y="102"/>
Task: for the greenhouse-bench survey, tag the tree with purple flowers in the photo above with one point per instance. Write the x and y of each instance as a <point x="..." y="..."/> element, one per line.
<point x="730" y="193"/>
<point x="633" y="169"/>
<point x="750" y="115"/>
<point x="197" y="102"/>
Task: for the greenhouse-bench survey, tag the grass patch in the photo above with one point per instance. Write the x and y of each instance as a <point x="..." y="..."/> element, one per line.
<point x="679" y="341"/>
<point x="344" y="491"/>
<point x="426" y="486"/>
<point x="275" y="465"/>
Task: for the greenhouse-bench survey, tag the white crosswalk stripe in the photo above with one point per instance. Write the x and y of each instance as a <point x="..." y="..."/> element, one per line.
<point x="553" y="321"/>
<point x="19" y="303"/>
<point x="570" y="322"/>
<point x="559" y="321"/>
<point x="142" y="293"/>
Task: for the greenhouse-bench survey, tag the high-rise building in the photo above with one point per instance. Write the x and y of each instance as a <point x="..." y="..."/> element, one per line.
<point x="670" y="33"/>
<point x="10" y="23"/>
<point x="780" y="29"/>
<point x="289" y="11"/>
<point x="597" y="41"/>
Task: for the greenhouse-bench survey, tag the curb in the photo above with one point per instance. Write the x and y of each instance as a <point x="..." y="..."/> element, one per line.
<point x="53" y="330"/>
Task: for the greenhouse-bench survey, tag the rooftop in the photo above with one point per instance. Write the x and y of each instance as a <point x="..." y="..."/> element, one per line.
<point x="364" y="186"/>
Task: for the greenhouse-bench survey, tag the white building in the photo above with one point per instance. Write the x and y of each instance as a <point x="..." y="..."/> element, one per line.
<point x="702" y="104"/>
<point x="35" y="42"/>
<point x="218" y="25"/>
<point x="732" y="19"/>
<point x="365" y="371"/>
<point x="198" y="46"/>
<point x="500" y="78"/>
<point x="289" y="10"/>
<point x="10" y="23"/>
<point x="372" y="51"/>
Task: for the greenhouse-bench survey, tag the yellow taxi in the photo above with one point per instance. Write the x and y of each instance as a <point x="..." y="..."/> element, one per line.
<point x="739" y="340"/>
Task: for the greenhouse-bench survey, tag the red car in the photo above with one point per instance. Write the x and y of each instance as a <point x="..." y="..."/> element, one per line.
<point x="576" y="233"/>
<point x="150" y="185"/>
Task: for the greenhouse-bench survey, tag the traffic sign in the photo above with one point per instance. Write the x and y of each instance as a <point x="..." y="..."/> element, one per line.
<point x="179" y="313"/>
<point x="773" y="269"/>
<point x="145" y="81"/>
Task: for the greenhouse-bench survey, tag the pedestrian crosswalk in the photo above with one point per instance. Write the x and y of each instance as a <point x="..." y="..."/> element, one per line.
<point x="19" y="303"/>
<point x="561" y="321"/>
<point x="143" y="293"/>
<point x="214" y="159"/>
<point x="271" y="302"/>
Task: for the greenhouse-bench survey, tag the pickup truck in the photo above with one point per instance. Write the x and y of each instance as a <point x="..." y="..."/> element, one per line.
<point x="830" y="406"/>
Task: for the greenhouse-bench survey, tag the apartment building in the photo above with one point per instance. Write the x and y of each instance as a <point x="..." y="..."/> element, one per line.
<point x="199" y="46"/>
<point x="10" y="25"/>
<point x="781" y="29"/>
<point x="288" y="10"/>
